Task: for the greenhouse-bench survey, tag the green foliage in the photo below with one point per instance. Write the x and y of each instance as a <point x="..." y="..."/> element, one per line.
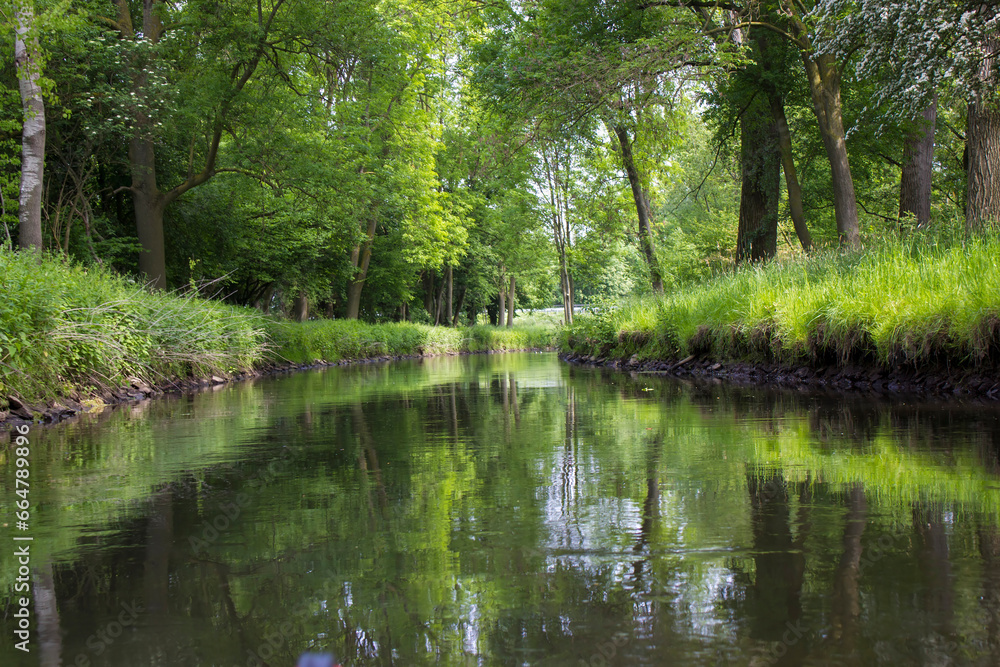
<point x="339" y="340"/>
<point x="66" y="327"/>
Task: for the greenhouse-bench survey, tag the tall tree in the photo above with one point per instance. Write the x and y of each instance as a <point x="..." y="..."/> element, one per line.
<point x="27" y="56"/>
<point x="571" y="65"/>
<point x="214" y="110"/>
<point x="923" y="49"/>
<point x="795" y="22"/>
<point x="824" y="74"/>
<point x="983" y="132"/>
<point x="918" y="166"/>
<point x="757" y="236"/>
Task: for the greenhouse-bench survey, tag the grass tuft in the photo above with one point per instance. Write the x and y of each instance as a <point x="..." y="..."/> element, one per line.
<point x="66" y="328"/>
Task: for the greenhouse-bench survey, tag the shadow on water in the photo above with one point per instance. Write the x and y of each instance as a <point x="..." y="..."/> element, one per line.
<point x="511" y="510"/>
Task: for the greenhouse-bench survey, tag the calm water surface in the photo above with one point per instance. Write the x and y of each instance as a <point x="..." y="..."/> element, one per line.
<point x="511" y="510"/>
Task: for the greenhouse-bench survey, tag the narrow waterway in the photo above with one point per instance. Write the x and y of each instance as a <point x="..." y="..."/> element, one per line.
<point x="509" y="510"/>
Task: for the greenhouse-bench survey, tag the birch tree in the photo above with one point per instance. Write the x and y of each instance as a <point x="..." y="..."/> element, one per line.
<point x="27" y="56"/>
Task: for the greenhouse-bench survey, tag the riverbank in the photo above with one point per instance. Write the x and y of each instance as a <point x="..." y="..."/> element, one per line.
<point x="900" y="317"/>
<point x="75" y="339"/>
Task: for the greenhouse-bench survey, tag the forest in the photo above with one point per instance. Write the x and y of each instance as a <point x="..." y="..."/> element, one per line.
<point x="438" y="161"/>
<point x="430" y="161"/>
<point x="203" y="191"/>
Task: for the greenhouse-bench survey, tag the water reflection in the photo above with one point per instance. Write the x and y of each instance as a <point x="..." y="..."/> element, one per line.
<point x="511" y="510"/>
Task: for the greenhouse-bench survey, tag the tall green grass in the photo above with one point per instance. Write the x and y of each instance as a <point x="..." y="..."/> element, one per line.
<point x="67" y="329"/>
<point x="337" y="340"/>
<point x="896" y="304"/>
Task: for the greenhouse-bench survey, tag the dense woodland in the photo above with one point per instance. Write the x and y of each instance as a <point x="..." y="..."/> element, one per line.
<point x="433" y="161"/>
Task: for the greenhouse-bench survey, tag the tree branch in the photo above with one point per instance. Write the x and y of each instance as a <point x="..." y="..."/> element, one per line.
<point x="690" y="4"/>
<point x="249" y="67"/>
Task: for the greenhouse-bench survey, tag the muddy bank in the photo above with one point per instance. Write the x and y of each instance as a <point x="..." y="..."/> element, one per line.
<point x="19" y="411"/>
<point x="939" y="382"/>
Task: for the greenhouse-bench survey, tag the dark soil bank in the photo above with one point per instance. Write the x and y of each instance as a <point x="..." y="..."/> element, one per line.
<point x="982" y="384"/>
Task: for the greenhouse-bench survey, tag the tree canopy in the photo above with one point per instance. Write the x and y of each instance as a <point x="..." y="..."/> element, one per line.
<point x="443" y="162"/>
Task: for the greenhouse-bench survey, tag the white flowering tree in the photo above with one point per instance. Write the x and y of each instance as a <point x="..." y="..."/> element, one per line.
<point x="918" y="50"/>
<point x="190" y="63"/>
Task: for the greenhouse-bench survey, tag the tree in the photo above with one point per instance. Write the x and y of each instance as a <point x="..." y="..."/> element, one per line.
<point x="794" y="21"/>
<point x="983" y="133"/>
<point x="757" y="236"/>
<point x="27" y="56"/>
<point x="566" y="66"/>
<point x="923" y="50"/>
<point x="918" y="165"/>
<point x="183" y="62"/>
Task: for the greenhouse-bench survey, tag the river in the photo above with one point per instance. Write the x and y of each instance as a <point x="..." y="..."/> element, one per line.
<point x="509" y="510"/>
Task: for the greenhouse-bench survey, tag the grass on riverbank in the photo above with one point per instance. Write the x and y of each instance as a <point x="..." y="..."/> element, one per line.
<point x="66" y="329"/>
<point x="902" y="303"/>
<point x="336" y="340"/>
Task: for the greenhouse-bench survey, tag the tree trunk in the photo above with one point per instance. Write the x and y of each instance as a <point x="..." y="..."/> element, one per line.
<point x="300" y="307"/>
<point x="265" y="301"/>
<point x="641" y="207"/>
<point x="558" y="237"/>
<point x="502" y="300"/>
<point x="823" y="76"/>
<point x="458" y="308"/>
<point x="564" y="290"/>
<point x="824" y="85"/>
<point x="449" y="312"/>
<point x="792" y="185"/>
<point x="428" y="279"/>
<point x="149" y="205"/>
<point x="439" y="303"/>
<point x="757" y="234"/>
<point x="510" y="304"/>
<point x="361" y="256"/>
<point x="26" y="58"/>
<point x="918" y="162"/>
<point x="769" y="59"/>
<point x="570" y="297"/>
<point x="982" y="208"/>
<point x="148" y="200"/>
